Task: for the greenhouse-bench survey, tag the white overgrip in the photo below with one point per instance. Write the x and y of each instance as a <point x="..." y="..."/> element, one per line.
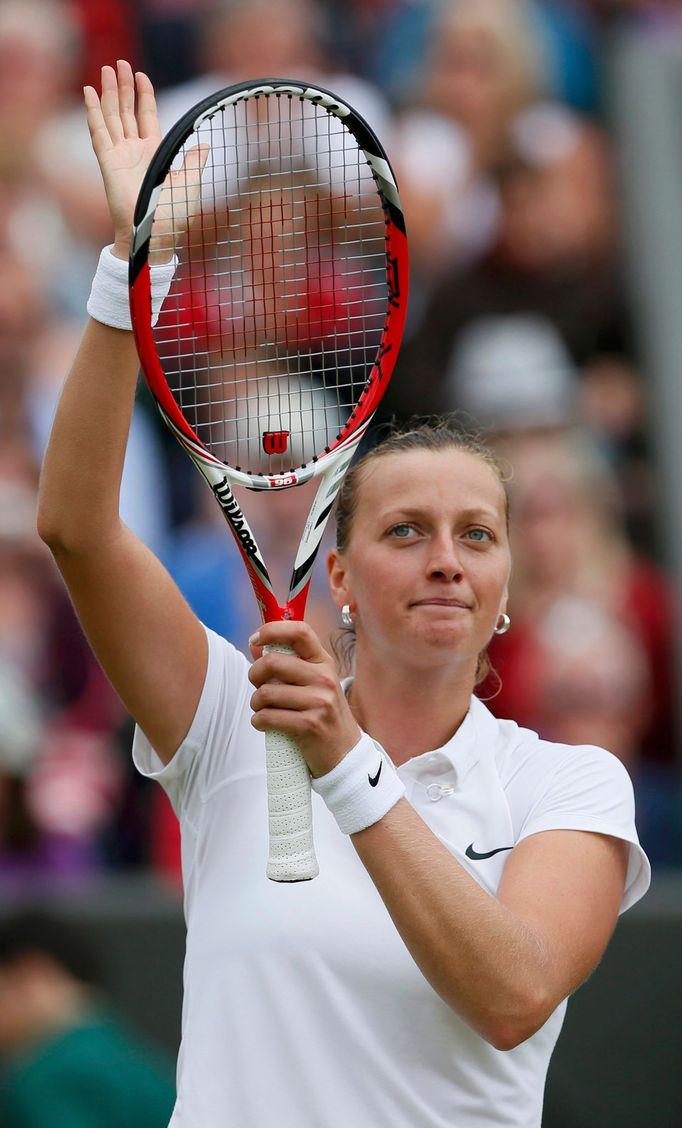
<point x="291" y="849"/>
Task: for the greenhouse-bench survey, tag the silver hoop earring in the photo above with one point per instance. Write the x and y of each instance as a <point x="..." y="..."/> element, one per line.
<point x="503" y="627"/>
<point x="346" y="615"/>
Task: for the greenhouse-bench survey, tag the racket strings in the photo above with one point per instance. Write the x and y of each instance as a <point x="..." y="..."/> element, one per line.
<point x="278" y="307"/>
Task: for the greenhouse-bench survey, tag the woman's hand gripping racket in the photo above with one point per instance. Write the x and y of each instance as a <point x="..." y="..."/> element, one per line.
<point x="280" y="331"/>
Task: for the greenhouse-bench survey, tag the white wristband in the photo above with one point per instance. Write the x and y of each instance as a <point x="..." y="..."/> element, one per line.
<point x="109" y="300"/>
<point x="361" y="788"/>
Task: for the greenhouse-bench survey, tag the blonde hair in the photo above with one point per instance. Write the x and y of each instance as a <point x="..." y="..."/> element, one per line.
<point x="515" y="27"/>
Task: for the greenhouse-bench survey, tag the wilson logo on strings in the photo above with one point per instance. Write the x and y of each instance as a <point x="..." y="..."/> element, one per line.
<point x="275" y="442"/>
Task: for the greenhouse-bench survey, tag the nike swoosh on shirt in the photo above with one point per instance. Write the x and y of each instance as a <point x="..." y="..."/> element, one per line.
<point x="476" y="857"/>
<point x="373" y="780"/>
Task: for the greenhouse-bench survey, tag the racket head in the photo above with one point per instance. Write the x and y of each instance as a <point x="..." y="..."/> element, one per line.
<point x="282" y="325"/>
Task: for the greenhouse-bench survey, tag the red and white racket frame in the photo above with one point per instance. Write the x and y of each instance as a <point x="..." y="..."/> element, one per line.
<point x="292" y="856"/>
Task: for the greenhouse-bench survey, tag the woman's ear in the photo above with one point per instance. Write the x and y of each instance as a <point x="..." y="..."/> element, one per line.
<point x="337" y="577"/>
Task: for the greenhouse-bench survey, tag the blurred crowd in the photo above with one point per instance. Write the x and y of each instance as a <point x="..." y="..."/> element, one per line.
<point x="492" y="112"/>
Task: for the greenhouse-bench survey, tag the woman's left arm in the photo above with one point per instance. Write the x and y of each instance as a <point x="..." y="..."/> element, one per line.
<point x="502" y="963"/>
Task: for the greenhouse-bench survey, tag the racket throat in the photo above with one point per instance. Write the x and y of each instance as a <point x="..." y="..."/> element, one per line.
<point x="294" y="608"/>
<point x="274" y="612"/>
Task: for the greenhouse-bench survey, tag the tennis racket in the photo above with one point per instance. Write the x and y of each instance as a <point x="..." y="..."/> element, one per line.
<point x="279" y="333"/>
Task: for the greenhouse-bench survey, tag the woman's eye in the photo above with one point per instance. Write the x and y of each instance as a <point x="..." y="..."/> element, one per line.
<point x="402" y="531"/>
<point x="480" y="535"/>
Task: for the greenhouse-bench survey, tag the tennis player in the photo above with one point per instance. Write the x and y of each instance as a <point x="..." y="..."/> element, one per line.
<point x="471" y="873"/>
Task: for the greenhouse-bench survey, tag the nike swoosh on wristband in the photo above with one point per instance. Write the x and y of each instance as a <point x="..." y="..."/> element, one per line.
<point x="373" y="780"/>
<point x="476" y="857"/>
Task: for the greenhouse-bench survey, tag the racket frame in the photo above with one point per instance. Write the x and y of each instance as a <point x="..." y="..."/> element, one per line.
<point x="288" y="861"/>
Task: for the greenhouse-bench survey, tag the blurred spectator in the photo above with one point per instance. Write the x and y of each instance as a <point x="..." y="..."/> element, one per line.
<point x="60" y="791"/>
<point x="52" y="211"/>
<point x="484" y="65"/>
<point x="39" y="53"/>
<point x="250" y="39"/>
<point x="592" y="682"/>
<point x="569" y="542"/>
<point x="554" y="254"/>
<point x="388" y="40"/>
<point x="69" y="1062"/>
<point x="512" y="374"/>
<point x="39" y="48"/>
<point x="592" y="678"/>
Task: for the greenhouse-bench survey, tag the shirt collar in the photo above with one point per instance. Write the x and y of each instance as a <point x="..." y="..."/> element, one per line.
<point x="477" y="734"/>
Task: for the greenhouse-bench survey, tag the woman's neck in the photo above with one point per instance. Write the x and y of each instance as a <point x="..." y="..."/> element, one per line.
<point x="409" y="711"/>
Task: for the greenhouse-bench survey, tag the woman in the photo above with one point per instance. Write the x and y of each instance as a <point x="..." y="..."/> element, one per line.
<point x="481" y="871"/>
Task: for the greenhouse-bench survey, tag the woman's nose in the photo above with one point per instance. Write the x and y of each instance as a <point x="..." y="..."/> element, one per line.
<point x="445" y="562"/>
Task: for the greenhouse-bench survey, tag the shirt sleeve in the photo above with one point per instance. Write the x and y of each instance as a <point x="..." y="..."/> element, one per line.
<point x="203" y="756"/>
<point x="590" y="789"/>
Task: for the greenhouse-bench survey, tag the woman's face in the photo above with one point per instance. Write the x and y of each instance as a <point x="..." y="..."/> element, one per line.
<point x="427" y="564"/>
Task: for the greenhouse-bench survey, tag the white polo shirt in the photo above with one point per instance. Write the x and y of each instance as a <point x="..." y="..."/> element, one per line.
<point x="302" y="1006"/>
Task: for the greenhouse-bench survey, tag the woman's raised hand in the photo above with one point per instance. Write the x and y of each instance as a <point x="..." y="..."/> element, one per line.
<point x="125" y="133"/>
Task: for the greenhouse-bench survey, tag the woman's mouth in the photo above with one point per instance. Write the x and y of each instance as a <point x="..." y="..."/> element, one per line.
<point x="436" y="602"/>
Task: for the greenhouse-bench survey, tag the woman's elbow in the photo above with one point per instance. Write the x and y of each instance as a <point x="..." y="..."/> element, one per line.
<point x="506" y="1031"/>
<point x="67" y="534"/>
<point x="54" y="532"/>
<point x="47" y="528"/>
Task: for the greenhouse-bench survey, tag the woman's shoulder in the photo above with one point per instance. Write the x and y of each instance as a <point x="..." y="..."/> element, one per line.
<point x="521" y="751"/>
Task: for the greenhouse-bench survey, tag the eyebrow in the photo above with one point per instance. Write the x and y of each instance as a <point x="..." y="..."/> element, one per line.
<point x="473" y="513"/>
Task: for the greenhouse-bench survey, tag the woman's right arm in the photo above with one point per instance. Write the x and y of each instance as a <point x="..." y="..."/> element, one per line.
<point x="147" y="639"/>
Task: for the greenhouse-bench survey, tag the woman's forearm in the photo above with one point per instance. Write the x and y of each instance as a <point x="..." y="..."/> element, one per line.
<point x="485" y="962"/>
<point x="83" y="465"/>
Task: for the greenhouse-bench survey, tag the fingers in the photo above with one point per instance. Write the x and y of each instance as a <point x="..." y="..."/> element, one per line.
<point x="290" y="669"/>
<point x="110" y="105"/>
<point x="114" y="116"/>
<point x="99" y="134"/>
<point x="195" y="159"/>
<point x="290" y="632"/>
<point x="308" y="665"/>
<point x="147" y="113"/>
<point x="126" y="98"/>
<point x="301" y="694"/>
<point x="274" y="696"/>
<point x="183" y="187"/>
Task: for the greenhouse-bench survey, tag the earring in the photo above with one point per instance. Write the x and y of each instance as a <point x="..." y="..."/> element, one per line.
<point x="346" y="615"/>
<point x="503" y="626"/>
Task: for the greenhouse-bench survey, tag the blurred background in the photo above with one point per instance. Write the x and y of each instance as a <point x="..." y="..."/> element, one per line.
<point x="538" y="148"/>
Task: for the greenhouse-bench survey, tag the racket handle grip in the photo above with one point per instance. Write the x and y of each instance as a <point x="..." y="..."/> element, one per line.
<point x="291" y="850"/>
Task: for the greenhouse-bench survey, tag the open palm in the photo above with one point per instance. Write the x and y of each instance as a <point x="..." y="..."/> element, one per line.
<point x="125" y="133"/>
